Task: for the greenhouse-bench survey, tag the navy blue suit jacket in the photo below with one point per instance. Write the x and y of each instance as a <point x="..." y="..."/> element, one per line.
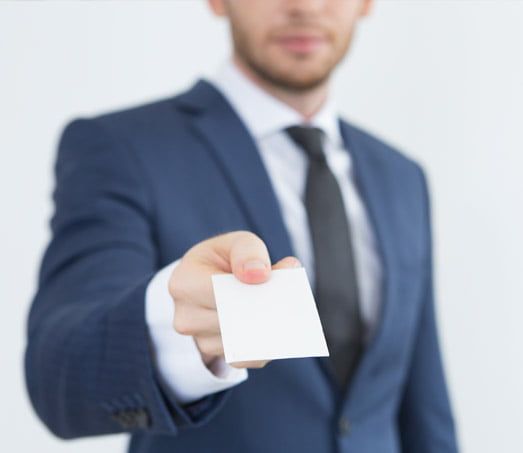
<point x="134" y="191"/>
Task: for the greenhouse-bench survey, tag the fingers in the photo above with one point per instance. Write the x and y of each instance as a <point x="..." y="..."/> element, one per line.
<point x="251" y="364"/>
<point x="191" y="284"/>
<point x="191" y="320"/>
<point x="289" y="262"/>
<point x="211" y="346"/>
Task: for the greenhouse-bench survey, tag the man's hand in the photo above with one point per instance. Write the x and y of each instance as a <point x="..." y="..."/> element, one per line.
<point x="242" y="253"/>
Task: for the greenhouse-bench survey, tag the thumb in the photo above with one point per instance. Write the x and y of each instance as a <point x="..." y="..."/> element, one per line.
<point x="248" y="257"/>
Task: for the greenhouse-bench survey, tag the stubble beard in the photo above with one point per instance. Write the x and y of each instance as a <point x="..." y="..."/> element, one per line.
<point x="283" y="79"/>
<point x="280" y="80"/>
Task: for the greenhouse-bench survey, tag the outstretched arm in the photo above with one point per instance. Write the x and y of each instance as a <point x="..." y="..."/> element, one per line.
<point x="89" y="362"/>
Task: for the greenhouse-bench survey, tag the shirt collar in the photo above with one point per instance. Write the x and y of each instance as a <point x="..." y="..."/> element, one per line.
<point x="265" y="115"/>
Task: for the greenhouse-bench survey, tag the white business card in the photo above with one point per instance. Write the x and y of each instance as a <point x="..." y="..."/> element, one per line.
<point x="273" y="320"/>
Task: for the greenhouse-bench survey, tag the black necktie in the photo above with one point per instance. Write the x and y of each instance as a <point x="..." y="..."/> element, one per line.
<point x="336" y="288"/>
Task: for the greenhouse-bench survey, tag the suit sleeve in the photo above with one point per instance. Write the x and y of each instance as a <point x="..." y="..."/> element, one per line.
<point x="426" y="421"/>
<point x="89" y="365"/>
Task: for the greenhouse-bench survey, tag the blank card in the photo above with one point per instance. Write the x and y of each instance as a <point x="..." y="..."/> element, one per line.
<point x="273" y="320"/>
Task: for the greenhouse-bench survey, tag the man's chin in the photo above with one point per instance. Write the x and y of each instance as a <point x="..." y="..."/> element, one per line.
<point x="298" y="84"/>
<point x="295" y="80"/>
<point x="286" y="74"/>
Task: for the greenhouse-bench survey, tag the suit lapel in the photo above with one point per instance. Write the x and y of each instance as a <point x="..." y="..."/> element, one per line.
<point x="372" y="182"/>
<point x="236" y="153"/>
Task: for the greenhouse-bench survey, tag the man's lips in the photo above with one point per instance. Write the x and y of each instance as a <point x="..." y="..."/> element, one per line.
<point x="301" y="43"/>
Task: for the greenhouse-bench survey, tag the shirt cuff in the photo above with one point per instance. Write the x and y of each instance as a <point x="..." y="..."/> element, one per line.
<point x="177" y="358"/>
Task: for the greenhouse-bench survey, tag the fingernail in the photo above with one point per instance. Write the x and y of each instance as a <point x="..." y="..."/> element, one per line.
<point x="254" y="265"/>
<point x="296" y="264"/>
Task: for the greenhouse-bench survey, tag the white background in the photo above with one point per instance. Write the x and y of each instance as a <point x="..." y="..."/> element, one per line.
<point x="442" y="80"/>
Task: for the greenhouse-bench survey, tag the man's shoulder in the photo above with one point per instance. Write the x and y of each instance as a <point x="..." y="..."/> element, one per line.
<point x="140" y="117"/>
<point x="148" y="123"/>
<point x="165" y="114"/>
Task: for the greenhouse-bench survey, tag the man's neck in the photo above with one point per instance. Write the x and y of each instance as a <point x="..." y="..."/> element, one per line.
<point x="306" y="103"/>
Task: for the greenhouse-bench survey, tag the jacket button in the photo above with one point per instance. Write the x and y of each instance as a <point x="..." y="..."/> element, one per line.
<point x="344" y="426"/>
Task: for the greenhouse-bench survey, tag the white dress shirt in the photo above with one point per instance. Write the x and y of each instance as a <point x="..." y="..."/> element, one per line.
<point x="177" y="358"/>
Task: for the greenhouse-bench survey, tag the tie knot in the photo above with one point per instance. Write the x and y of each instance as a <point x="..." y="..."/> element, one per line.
<point x="310" y="139"/>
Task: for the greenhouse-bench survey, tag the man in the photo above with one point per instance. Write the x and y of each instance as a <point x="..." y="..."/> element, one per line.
<point x="240" y="175"/>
